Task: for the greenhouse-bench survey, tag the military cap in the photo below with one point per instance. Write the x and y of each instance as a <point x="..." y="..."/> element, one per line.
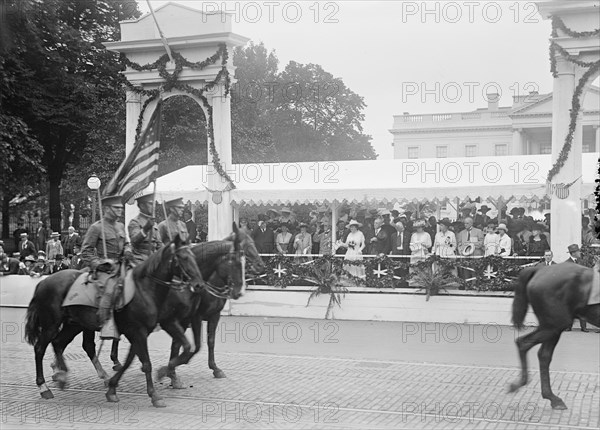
<point x="573" y="248"/>
<point x="115" y="200"/>
<point x="145" y="198"/>
<point x="175" y="203"/>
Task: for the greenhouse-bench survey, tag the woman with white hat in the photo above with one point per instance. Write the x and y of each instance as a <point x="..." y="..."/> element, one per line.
<point x="355" y="242"/>
<point x="504" y="241"/>
<point x="420" y="242"/>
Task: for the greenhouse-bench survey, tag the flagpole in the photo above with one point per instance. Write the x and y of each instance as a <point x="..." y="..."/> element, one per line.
<point x="162" y="36"/>
<point x="166" y="219"/>
<point x="102" y="225"/>
<point x="153" y="208"/>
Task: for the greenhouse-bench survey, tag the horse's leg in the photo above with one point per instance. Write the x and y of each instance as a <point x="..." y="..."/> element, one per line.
<point x="65" y="337"/>
<point x="178" y="334"/>
<point x="524" y="344"/>
<point x="175" y="381"/>
<point x="212" y="324"/>
<point x="114" y="355"/>
<point x="89" y="346"/>
<point x="40" y="351"/>
<point x="545" y="357"/>
<point x="111" y="394"/>
<point x="141" y="345"/>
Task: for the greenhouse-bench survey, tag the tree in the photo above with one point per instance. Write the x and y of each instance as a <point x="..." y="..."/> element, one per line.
<point x="67" y="74"/>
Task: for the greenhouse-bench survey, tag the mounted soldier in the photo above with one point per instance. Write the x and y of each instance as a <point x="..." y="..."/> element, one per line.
<point x="143" y="231"/>
<point x="173" y="225"/>
<point x="104" y="248"/>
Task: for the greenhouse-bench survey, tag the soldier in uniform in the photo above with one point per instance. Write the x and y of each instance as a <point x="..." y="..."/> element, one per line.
<point x="143" y="231"/>
<point x="92" y="250"/>
<point x="173" y="225"/>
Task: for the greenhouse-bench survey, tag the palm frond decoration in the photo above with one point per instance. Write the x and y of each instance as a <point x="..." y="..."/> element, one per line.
<point x="432" y="281"/>
<point x="329" y="282"/>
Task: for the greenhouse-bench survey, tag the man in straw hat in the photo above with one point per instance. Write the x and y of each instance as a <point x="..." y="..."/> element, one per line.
<point x="143" y="231"/>
<point x="54" y="247"/>
<point x="103" y="247"/>
<point x="26" y="247"/>
<point x="173" y="225"/>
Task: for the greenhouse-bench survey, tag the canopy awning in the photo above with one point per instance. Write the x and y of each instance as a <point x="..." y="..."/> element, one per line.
<point x="373" y="181"/>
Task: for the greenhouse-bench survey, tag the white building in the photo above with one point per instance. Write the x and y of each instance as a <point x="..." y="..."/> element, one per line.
<point x="525" y="128"/>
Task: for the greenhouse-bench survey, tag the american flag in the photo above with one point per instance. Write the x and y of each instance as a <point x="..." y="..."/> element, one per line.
<point x="140" y="167"/>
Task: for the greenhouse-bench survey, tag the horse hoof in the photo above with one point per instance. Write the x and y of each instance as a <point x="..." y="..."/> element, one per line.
<point x="117" y="367"/>
<point x="161" y="372"/>
<point x="61" y="379"/>
<point x="514" y="387"/>
<point x="558" y="405"/>
<point x="219" y="374"/>
<point x="47" y="395"/>
<point x="158" y="403"/>
<point x="177" y="384"/>
<point x="112" y="398"/>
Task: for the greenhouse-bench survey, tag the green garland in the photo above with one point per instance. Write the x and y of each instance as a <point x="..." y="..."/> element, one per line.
<point x="574" y="112"/>
<point x="558" y="24"/>
<point x="172" y="82"/>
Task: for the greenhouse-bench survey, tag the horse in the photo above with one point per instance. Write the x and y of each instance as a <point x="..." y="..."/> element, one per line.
<point x="557" y="294"/>
<point x="216" y="250"/>
<point x="47" y="321"/>
<point x="212" y="302"/>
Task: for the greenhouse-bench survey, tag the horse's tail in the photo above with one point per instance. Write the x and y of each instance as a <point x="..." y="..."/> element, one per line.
<point x="521" y="302"/>
<point x="33" y="326"/>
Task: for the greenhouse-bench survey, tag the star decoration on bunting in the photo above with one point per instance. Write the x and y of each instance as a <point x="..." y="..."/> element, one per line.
<point x="489" y="273"/>
<point x="380" y="272"/>
<point x="279" y="271"/>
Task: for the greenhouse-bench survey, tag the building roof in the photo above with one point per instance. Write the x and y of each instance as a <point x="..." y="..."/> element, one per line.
<point x="371" y="181"/>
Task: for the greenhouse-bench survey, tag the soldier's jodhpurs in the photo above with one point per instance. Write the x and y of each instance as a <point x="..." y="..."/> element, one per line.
<point x="105" y="306"/>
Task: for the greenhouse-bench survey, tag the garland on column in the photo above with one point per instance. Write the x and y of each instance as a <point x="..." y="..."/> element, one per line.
<point x="172" y="81"/>
<point x="558" y="24"/>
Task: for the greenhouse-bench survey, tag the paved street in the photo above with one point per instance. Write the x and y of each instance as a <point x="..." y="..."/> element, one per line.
<point x="284" y="373"/>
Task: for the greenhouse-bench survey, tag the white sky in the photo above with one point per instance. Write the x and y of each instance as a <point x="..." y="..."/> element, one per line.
<point x="386" y="50"/>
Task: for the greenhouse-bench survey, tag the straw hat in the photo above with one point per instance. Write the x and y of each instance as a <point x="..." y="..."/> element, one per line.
<point x="354" y="222"/>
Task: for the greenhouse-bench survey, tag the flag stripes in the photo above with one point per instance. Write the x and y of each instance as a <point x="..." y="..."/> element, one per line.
<point x="140" y="167"/>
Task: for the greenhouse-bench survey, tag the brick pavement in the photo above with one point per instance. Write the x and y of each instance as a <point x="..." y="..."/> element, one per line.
<point x="293" y="392"/>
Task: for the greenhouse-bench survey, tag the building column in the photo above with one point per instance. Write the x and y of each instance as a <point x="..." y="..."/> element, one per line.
<point x="597" y="140"/>
<point x="220" y="216"/>
<point x="517" y="142"/>
<point x="133" y="108"/>
<point x="566" y="213"/>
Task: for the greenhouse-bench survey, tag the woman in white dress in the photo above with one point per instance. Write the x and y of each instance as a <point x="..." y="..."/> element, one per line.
<point x="355" y="242"/>
<point x="303" y="243"/>
<point x="420" y="242"/>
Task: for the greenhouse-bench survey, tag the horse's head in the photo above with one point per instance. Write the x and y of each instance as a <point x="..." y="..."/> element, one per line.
<point x="183" y="263"/>
<point x="257" y="265"/>
<point x="235" y="266"/>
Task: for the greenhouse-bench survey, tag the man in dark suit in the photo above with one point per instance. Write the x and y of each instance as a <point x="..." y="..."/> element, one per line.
<point x="191" y="226"/>
<point x="42" y="236"/>
<point x="26" y="247"/>
<point x="401" y="247"/>
<point x="483" y="219"/>
<point x="547" y="260"/>
<point x="70" y="241"/>
<point x="264" y="238"/>
<point x="8" y="266"/>
<point x="575" y="258"/>
<point x="381" y="241"/>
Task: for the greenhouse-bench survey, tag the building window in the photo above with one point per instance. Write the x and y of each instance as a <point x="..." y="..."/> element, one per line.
<point x="413" y="152"/>
<point x="586" y="147"/>
<point x="501" y="150"/>
<point x="441" y="151"/>
<point x="471" y="151"/>
<point x="546" y="150"/>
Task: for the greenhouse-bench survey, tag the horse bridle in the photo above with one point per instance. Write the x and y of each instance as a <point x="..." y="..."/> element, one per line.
<point x="185" y="278"/>
<point x="224" y="292"/>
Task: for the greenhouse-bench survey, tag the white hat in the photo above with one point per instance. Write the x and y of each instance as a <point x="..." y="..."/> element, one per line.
<point x="354" y="222"/>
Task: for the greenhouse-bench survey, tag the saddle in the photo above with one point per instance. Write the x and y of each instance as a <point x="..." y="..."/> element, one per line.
<point x="88" y="288"/>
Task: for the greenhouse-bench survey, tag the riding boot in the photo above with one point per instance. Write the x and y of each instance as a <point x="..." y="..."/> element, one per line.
<point x="105" y="305"/>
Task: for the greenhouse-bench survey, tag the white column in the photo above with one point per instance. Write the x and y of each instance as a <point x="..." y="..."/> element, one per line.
<point x="334" y="218"/>
<point x="133" y="108"/>
<point x="220" y="216"/>
<point x="517" y="142"/>
<point x="566" y="213"/>
<point x="597" y="145"/>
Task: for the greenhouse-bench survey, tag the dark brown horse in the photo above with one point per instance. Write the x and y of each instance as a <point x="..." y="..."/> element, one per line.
<point x="557" y="294"/>
<point x="212" y="302"/>
<point x="47" y="321"/>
